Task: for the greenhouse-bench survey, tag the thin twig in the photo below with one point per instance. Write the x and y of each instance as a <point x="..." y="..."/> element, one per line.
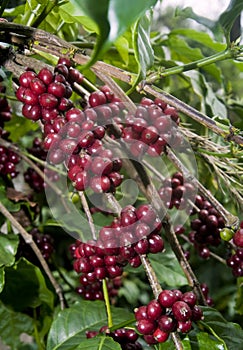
<point x="88" y="214"/>
<point x="29" y="240"/>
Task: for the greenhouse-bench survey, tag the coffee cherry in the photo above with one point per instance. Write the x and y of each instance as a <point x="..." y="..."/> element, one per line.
<point x="166" y="323"/>
<point x="184" y="326"/>
<point x="160" y="335"/>
<point x="57" y="89"/>
<point x="189" y="298"/>
<point x="167" y="298"/>
<point x="226" y="234"/>
<point x="97" y="98"/>
<point x="181" y="311"/>
<point x="46" y="76"/>
<point x="145" y="326"/>
<point x="48" y="101"/>
<point x="154" y="310"/>
<point x="26" y="77"/>
<point x="141" y="313"/>
<point x="238" y="238"/>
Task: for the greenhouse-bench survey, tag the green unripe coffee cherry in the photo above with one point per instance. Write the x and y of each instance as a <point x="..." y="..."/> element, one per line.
<point x="74" y="197"/>
<point x="226" y="234"/>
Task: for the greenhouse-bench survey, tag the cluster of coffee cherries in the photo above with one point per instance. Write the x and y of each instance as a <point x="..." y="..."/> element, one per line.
<point x="134" y="233"/>
<point x="235" y="260"/>
<point x="172" y="311"/>
<point x="206" y="227"/>
<point x="151" y="128"/>
<point x="126" y="337"/>
<point x="175" y="191"/>
<point x="72" y="135"/>
<point x="46" y="95"/>
<point x="94" y="291"/>
<point x="8" y="158"/>
<point x="8" y="162"/>
<point x="44" y="242"/>
<point x="31" y="177"/>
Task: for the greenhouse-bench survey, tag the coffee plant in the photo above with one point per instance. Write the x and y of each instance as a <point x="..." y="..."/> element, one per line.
<point x="121" y="176"/>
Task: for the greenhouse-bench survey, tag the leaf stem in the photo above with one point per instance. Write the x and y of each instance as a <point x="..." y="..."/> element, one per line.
<point x="107" y="303"/>
<point x="221" y="56"/>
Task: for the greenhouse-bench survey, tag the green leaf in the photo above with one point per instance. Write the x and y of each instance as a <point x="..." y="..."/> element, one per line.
<point x="228" y="17"/>
<point x="167" y="268"/>
<point x="181" y="51"/>
<point x="113" y="18"/>
<point x="26" y="281"/>
<point x="69" y="327"/>
<point x="101" y="343"/>
<point x="200" y="37"/>
<point x="239" y="299"/>
<point x="12" y="325"/>
<point x="13" y="207"/>
<point x="230" y="334"/>
<point x="202" y="340"/>
<point x="143" y="49"/>
<point x="122" y="46"/>
<point x="8" y="248"/>
<point x="19" y="127"/>
<point x="2" y="278"/>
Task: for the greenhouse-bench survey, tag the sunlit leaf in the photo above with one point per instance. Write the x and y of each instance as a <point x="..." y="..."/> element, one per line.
<point x="113" y="18"/>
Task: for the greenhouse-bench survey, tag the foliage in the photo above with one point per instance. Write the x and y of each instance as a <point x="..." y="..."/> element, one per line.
<point x="200" y="68"/>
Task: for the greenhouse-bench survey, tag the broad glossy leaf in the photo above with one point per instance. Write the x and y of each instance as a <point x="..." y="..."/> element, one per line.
<point x="25" y="286"/>
<point x="8" y="248"/>
<point x="112" y="17"/>
<point x="228" y="17"/>
<point x="69" y="327"/>
<point x="101" y="343"/>
<point x="12" y="325"/>
<point x="168" y="269"/>
<point x="228" y="333"/>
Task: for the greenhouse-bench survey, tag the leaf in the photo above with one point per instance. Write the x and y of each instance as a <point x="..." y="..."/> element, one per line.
<point x="143" y="50"/>
<point x="239" y="299"/>
<point x="181" y="51"/>
<point x="13" y="207"/>
<point x="167" y="268"/>
<point x="100" y="343"/>
<point x="26" y="281"/>
<point x="113" y="18"/>
<point x="8" y="248"/>
<point x="2" y="278"/>
<point x="122" y="46"/>
<point x="19" y="127"/>
<point x="12" y="325"/>
<point x="202" y="340"/>
<point x="200" y="37"/>
<point x="228" y="17"/>
<point x="69" y="327"/>
<point x="228" y="333"/>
